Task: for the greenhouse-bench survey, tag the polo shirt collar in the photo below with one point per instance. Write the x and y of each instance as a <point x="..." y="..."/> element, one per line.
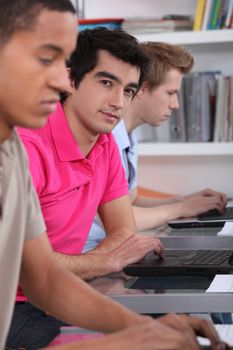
<point x="66" y="146"/>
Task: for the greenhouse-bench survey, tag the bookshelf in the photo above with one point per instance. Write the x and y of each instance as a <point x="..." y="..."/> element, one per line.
<point x="186" y="149"/>
<point x="205" y="43"/>
<point x="179" y="167"/>
<point x="191" y="37"/>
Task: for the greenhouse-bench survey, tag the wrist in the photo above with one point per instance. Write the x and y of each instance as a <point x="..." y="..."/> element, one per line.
<point x="111" y="263"/>
<point x="180" y="198"/>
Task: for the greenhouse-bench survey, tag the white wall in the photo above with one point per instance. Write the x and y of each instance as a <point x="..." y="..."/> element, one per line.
<point x="129" y="8"/>
<point x="186" y="174"/>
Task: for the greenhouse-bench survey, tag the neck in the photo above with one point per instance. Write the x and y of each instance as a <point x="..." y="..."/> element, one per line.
<point x="5" y="131"/>
<point x="132" y="118"/>
<point x="83" y="137"/>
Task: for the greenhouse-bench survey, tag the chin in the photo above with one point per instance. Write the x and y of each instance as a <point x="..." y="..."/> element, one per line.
<point x="34" y="123"/>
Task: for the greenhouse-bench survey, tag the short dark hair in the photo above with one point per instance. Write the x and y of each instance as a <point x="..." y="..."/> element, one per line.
<point x="163" y="57"/>
<point x="117" y="42"/>
<point x="22" y="14"/>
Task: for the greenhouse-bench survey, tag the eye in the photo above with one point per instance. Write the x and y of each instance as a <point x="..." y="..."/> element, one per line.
<point x="106" y="83"/>
<point x="130" y="92"/>
<point x="46" y="61"/>
<point x="172" y="93"/>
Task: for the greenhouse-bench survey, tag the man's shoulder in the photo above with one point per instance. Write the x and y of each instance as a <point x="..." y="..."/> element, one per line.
<point x="34" y="136"/>
<point x="121" y="136"/>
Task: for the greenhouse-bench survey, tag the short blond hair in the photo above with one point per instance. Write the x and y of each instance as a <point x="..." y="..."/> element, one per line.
<point x="163" y="57"/>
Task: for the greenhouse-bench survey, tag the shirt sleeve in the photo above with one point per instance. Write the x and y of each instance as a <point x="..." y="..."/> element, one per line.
<point x="117" y="185"/>
<point x="34" y="220"/>
<point x="36" y="156"/>
<point x="134" y="162"/>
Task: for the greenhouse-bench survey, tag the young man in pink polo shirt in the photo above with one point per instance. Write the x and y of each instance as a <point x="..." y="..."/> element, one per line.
<point x="75" y="163"/>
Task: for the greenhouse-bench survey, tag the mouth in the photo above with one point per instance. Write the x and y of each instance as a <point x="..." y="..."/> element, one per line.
<point x="166" y="116"/>
<point x="50" y="105"/>
<point x="110" y="116"/>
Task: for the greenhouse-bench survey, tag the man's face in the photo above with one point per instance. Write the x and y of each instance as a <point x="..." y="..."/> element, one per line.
<point x="103" y="95"/>
<point x="32" y="69"/>
<point x="159" y="103"/>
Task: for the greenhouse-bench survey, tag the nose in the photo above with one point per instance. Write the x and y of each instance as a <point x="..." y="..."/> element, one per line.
<point x="59" y="79"/>
<point x="174" y="102"/>
<point x="117" y="98"/>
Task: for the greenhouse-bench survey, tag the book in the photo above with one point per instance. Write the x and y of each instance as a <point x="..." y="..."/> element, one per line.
<point x="206" y="14"/>
<point x="155" y="25"/>
<point x="220" y="110"/>
<point x="177" y="121"/>
<point x="231" y="109"/>
<point x="215" y="14"/>
<point x="222" y="14"/>
<point x="229" y="14"/>
<point x="213" y="3"/>
<point x="199" y="14"/>
<point x="192" y="92"/>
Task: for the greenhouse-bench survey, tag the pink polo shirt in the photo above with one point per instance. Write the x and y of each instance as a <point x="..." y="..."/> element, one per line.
<point x="71" y="187"/>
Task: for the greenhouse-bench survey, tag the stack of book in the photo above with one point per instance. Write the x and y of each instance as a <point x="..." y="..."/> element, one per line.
<point x="205" y="113"/>
<point x="213" y="14"/>
<point x="154" y="25"/>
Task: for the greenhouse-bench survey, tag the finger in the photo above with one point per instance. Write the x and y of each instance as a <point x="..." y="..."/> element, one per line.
<point x="206" y="329"/>
<point x="158" y="248"/>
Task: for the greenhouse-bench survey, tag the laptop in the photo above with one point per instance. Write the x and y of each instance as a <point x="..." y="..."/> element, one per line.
<point x="198" y="262"/>
<point x="211" y="218"/>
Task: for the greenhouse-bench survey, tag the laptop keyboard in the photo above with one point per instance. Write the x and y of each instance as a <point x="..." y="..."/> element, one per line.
<point x="215" y="215"/>
<point x="207" y="257"/>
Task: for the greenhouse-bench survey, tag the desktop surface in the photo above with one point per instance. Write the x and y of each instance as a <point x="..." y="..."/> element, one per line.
<point x="172" y="293"/>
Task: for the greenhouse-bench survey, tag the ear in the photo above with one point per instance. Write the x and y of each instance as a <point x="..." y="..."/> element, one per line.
<point x="142" y="91"/>
<point x="71" y="84"/>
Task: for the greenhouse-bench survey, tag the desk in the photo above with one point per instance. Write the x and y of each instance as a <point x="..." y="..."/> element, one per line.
<point x="149" y="301"/>
<point x="166" y="231"/>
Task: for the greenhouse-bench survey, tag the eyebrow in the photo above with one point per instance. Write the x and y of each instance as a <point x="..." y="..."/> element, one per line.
<point x="105" y="74"/>
<point x="52" y="48"/>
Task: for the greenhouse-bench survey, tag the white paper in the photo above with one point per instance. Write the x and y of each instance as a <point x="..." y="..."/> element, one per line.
<point x="225" y="332"/>
<point x="227" y="229"/>
<point x="221" y="284"/>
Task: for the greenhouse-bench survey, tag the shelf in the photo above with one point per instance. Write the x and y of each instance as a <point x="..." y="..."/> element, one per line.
<point x="190" y="37"/>
<point x="186" y="149"/>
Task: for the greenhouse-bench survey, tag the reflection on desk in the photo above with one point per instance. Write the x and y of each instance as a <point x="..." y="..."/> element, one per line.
<point x="147" y="301"/>
<point x="166" y="231"/>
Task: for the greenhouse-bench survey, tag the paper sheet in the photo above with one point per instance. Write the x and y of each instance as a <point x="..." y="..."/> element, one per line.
<point x="221" y="284"/>
<point x="227" y="229"/>
<point x="225" y="332"/>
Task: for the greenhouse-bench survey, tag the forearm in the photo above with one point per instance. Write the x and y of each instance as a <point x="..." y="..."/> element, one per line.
<point x="146" y="202"/>
<point x="76" y="303"/>
<point x="97" y="262"/>
<point x="114" y="239"/>
<point x="88" y="265"/>
<point x="63" y="295"/>
<point x="149" y="217"/>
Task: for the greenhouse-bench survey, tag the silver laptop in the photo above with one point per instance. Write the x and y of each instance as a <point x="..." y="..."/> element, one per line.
<point x="210" y="219"/>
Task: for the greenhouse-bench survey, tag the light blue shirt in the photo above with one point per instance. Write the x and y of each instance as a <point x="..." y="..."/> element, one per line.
<point x="127" y="145"/>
